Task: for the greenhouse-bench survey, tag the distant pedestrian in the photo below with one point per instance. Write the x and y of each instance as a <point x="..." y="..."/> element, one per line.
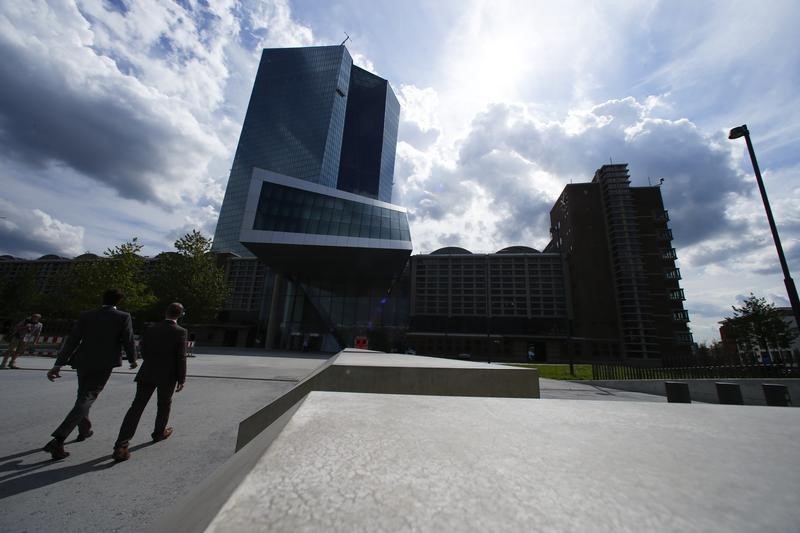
<point x="23" y="335"/>
<point x="163" y="350"/>
<point x="190" y="345"/>
<point x="93" y="349"/>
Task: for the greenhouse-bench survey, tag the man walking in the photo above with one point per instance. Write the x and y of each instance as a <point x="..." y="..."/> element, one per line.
<point x="24" y="335"/>
<point x="163" y="350"/>
<point x="93" y="349"/>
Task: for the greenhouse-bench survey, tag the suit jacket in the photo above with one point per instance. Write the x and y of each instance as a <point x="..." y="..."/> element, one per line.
<point x="97" y="341"/>
<point x="163" y="350"/>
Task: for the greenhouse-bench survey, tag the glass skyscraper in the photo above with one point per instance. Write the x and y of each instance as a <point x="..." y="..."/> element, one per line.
<point x="309" y="194"/>
<point x="314" y="116"/>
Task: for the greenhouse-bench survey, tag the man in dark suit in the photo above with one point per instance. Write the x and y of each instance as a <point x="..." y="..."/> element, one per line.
<point x="163" y="350"/>
<point x="93" y="349"/>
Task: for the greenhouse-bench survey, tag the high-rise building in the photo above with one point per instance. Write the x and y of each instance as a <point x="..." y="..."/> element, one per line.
<point x="316" y="117"/>
<point x="624" y="285"/>
<point x="309" y="194"/>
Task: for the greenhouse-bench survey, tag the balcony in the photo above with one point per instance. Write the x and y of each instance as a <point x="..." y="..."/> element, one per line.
<point x="676" y="295"/>
<point x="675" y="274"/>
<point x="669" y="254"/>
<point x="680" y="316"/>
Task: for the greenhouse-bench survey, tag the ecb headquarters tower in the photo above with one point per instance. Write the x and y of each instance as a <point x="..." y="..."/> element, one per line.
<point x="309" y="194"/>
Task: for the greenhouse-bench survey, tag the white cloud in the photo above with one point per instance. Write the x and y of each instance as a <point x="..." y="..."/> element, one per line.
<point x="32" y="233"/>
<point x="522" y="163"/>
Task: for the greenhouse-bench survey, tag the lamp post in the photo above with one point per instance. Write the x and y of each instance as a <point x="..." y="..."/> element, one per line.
<point x="791" y="290"/>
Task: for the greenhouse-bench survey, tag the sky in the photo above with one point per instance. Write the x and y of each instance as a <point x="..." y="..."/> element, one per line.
<point x="119" y="119"/>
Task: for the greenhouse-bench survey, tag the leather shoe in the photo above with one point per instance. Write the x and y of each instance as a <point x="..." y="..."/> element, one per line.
<point x="163" y="436"/>
<point x="56" y="449"/>
<point x="83" y="436"/>
<point x="121" y="453"/>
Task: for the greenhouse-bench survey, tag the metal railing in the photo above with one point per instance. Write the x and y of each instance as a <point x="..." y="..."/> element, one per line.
<point x="624" y="372"/>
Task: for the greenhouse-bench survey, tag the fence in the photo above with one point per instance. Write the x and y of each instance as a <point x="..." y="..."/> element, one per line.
<point x="616" y="371"/>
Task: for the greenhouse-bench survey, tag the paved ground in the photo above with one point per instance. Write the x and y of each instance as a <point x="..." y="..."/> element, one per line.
<point x="569" y="390"/>
<point x="88" y="492"/>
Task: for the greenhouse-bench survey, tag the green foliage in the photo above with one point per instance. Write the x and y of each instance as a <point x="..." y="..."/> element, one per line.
<point x="193" y="244"/>
<point x="82" y="286"/>
<point x="192" y="277"/>
<point x="19" y="296"/>
<point x="759" y="324"/>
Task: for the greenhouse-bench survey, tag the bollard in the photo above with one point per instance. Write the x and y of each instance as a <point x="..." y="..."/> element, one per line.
<point x="729" y="393"/>
<point x="776" y="395"/>
<point x="677" y="392"/>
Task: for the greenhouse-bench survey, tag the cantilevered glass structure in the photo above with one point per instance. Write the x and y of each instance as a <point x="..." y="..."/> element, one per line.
<point x="309" y="194"/>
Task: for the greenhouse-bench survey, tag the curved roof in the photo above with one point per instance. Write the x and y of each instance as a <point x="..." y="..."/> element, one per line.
<point x="451" y="250"/>
<point x="518" y="250"/>
<point x="87" y="255"/>
<point x="165" y="254"/>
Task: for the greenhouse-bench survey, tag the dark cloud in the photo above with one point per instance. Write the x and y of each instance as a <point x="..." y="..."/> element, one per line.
<point x="20" y="244"/>
<point x="721" y="252"/>
<point x="104" y="125"/>
<point x="771" y="264"/>
<point x="43" y="121"/>
<point x="709" y="311"/>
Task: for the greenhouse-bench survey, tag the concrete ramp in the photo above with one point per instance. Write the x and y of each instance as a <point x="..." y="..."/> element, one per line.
<point x="387" y="373"/>
<point x="389" y="462"/>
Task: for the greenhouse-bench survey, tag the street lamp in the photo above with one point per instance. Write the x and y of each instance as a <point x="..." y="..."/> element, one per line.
<point x="742" y="131"/>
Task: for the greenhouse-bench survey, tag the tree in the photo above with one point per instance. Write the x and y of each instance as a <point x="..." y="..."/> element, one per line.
<point x="82" y="286"/>
<point x="192" y="277"/>
<point x="758" y="324"/>
<point x="19" y="296"/>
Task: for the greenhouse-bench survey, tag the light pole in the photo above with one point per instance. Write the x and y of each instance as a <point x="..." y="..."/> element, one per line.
<point x="742" y="131"/>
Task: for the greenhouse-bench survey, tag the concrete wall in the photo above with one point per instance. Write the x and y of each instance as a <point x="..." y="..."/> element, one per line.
<point x="381" y="373"/>
<point x="704" y="390"/>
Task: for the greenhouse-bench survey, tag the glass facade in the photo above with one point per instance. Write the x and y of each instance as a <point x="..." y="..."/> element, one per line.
<point x="370" y="136"/>
<point x="314" y="116"/>
<point x="286" y="209"/>
<point x="293" y="126"/>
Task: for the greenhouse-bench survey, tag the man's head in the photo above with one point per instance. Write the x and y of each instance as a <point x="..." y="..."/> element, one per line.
<point x="113" y="297"/>
<point x="174" y="311"/>
<point x="36" y="317"/>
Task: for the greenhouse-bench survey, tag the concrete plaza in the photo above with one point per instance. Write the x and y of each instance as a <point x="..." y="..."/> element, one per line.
<point x="89" y="492"/>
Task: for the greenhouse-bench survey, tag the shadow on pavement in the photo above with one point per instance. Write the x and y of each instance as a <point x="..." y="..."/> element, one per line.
<point x="18" y="455"/>
<point x="23" y="480"/>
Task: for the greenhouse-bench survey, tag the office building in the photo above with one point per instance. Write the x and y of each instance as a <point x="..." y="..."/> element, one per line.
<point x="309" y="194"/>
<point x="499" y="306"/>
